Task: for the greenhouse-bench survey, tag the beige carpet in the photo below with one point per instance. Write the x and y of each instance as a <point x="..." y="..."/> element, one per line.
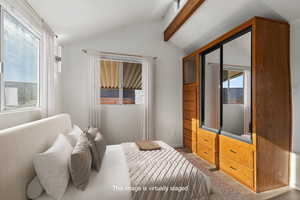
<point x="226" y="188"/>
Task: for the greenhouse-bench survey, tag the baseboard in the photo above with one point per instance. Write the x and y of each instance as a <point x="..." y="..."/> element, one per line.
<point x="295" y="186"/>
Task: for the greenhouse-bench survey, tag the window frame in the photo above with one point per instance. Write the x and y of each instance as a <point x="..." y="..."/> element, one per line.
<point x="38" y="36"/>
<point x="121" y="84"/>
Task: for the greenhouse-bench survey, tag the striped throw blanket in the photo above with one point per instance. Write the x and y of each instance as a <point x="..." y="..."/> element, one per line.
<point x="163" y="175"/>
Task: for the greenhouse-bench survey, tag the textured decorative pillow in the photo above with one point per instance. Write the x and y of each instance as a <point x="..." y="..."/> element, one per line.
<point x="101" y="147"/>
<point x="52" y="167"/>
<point x="95" y="157"/>
<point x="98" y="148"/>
<point x="93" y="131"/>
<point x="34" y="189"/>
<point x="81" y="163"/>
<point x="73" y="136"/>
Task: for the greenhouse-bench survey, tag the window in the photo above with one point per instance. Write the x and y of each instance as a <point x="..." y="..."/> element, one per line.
<point x="233" y="87"/>
<point x="121" y="83"/>
<point x="20" y="79"/>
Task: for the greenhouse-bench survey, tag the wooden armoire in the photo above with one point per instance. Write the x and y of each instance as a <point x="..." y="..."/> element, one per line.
<point x="237" y="103"/>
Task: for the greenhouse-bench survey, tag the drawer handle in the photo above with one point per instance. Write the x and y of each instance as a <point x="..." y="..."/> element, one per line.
<point x="233" y="168"/>
<point x="232" y="151"/>
<point x="205" y="140"/>
<point x="205" y="152"/>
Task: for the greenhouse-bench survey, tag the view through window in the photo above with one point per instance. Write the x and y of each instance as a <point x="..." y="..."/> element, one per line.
<point x="21" y="65"/>
<point x="121" y="83"/>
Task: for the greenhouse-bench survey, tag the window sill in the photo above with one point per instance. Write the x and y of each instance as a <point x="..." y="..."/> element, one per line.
<point x="20" y="110"/>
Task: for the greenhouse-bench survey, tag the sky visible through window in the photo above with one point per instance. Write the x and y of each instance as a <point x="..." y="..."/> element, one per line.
<point x="237" y="82"/>
<point x="21" y="51"/>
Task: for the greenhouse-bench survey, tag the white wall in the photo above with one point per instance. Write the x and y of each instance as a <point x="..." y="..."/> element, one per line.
<point x="295" y="72"/>
<point x="140" y="39"/>
<point x="11" y="119"/>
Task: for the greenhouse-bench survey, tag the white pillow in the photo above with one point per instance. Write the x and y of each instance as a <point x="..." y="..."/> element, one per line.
<point x="34" y="189"/>
<point x="52" y="167"/>
<point x="73" y="136"/>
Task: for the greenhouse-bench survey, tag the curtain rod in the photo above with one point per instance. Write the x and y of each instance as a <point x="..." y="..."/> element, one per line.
<point x="113" y="53"/>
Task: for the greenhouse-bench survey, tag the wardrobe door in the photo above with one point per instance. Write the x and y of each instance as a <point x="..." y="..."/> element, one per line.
<point x="236" y="87"/>
<point x="211" y="90"/>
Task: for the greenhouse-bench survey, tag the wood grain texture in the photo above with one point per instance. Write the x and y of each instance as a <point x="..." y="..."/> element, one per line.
<point x="267" y="159"/>
<point x="206" y="153"/>
<point x="190" y="116"/>
<point x="237" y="151"/>
<point x="184" y="14"/>
<point x="190" y="111"/>
<point x="238" y="171"/>
<point x="272" y="104"/>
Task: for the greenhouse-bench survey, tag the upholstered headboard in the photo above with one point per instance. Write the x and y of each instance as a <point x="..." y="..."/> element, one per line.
<point x="17" y="148"/>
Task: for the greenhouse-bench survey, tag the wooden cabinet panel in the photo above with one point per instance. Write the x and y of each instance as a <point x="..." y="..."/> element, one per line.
<point x="190" y="96"/>
<point x="189" y="106"/>
<point x="240" y="172"/>
<point x="189" y="139"/>
<point x="189" y="115"/>
<point x="237" y="151"/>
<point x="190" y="125"/>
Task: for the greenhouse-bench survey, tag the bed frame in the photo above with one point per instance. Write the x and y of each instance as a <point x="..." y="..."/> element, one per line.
<point x="17" y="148"/>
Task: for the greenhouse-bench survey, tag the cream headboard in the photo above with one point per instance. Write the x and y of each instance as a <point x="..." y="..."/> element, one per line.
<point x="17" y="147"/>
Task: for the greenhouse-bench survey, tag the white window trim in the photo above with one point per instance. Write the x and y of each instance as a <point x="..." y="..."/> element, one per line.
<point x="38" y="35"/>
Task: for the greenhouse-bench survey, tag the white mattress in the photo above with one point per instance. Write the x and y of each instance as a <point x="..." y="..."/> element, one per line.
<point x="114" y="172"/>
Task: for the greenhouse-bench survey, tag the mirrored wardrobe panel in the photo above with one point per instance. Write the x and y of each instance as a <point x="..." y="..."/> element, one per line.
<point x="236" y="87"/>
<point x="211" y="90"/>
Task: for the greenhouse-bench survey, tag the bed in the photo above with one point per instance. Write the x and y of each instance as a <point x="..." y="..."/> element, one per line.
<point x="121" y="171"/>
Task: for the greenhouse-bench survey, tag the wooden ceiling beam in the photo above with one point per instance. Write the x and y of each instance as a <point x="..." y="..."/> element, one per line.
<point x="184" y="14"/>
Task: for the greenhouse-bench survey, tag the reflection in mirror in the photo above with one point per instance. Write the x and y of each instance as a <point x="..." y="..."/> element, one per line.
<point x="237" y="87"/>
<point x="211" y="118"/>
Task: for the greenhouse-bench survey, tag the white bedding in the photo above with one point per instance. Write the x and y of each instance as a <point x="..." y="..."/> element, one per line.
<point x="114" y="172"/>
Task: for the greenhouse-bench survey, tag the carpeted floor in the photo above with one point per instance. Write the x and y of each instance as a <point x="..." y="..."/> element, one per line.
<point x="226" y="188"/>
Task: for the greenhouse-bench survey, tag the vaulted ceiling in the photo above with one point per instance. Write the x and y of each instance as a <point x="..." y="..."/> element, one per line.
<point x="75" y="19"/>
<point x="215" y="17"/>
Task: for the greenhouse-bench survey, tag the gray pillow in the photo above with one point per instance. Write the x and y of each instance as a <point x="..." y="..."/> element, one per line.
<point x="80" y="163"/>
<point x="34" y="189"/>
<point x="101" y="146"/>
<point x="98" y="148"/>
<point x="96" y="162"/>
<point x="52" y="167"/>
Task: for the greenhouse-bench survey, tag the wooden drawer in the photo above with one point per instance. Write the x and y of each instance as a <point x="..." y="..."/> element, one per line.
<point x="190" y="125"/>
<point x="240" y="172"/>
<point x="189" y="115"/>
<point x="238" y="151"/>
<point x="206" y="153"/>
<point x="207" y="138"/>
